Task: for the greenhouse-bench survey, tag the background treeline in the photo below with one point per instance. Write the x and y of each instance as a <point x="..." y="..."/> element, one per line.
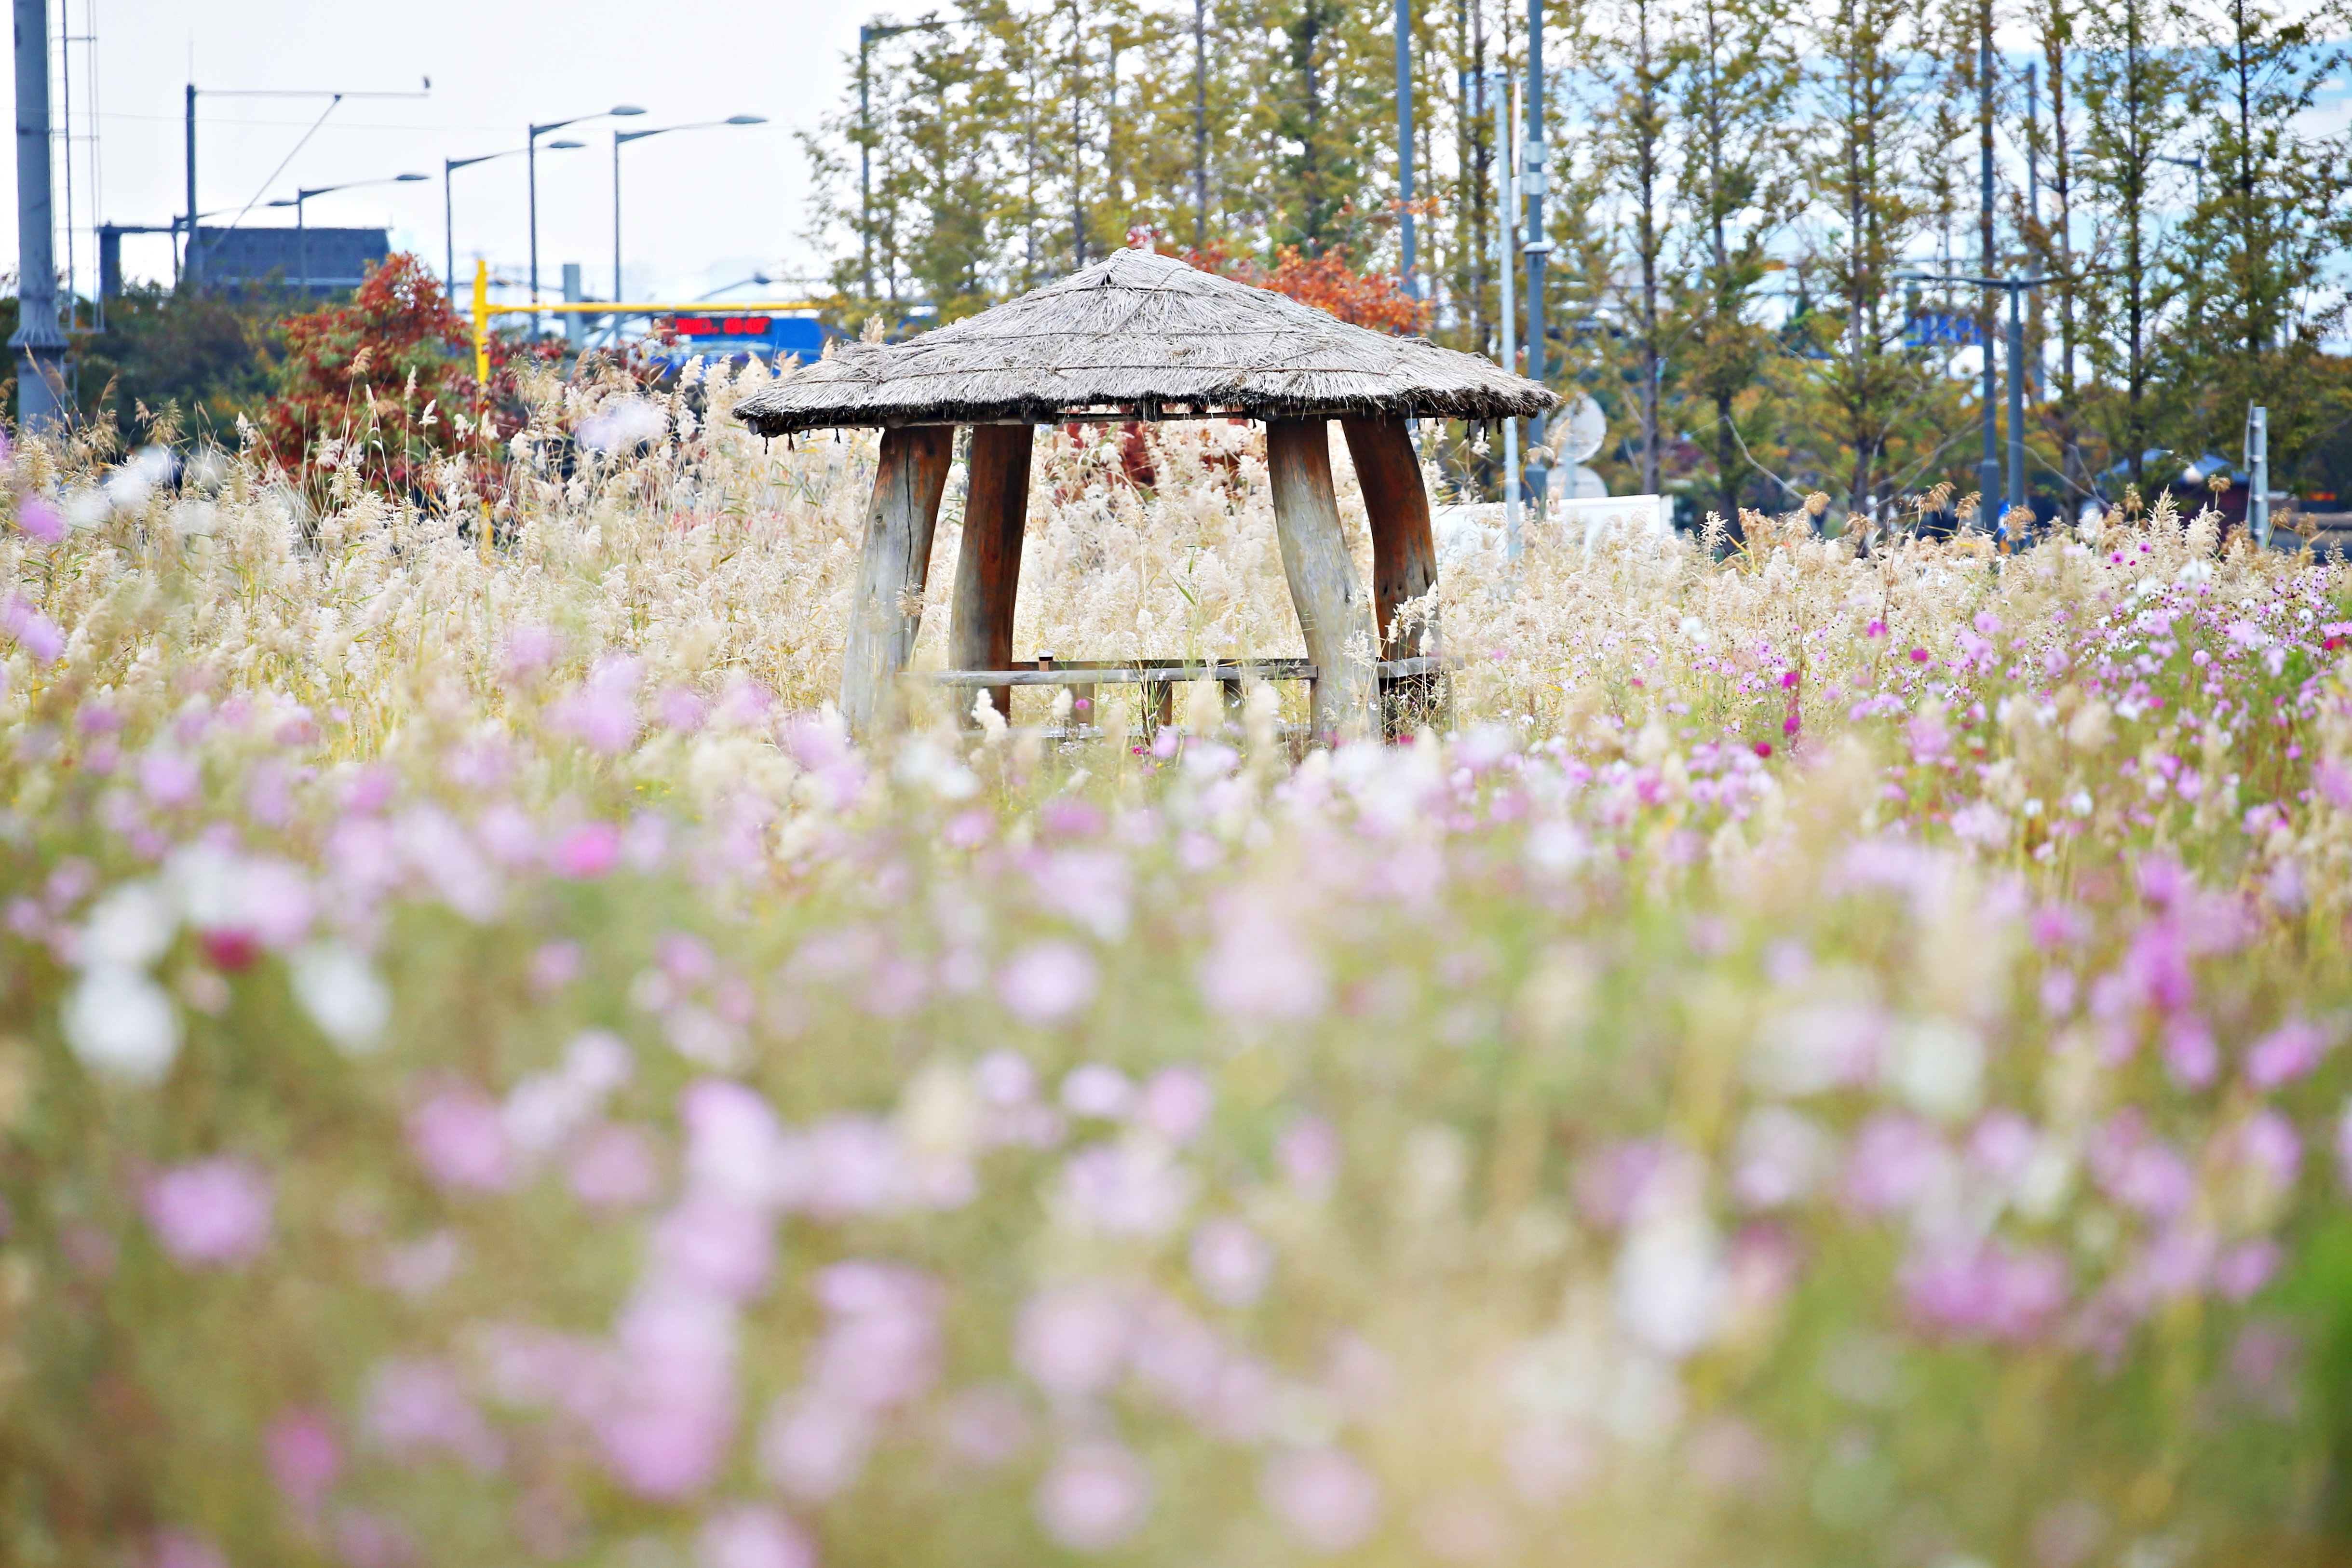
<point x="1738" y="187"/>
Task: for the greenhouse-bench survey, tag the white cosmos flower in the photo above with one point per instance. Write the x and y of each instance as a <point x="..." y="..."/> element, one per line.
<point x="343" y="994"/>
<point x="129" y="928"/>
<point x="119" y="1022"/>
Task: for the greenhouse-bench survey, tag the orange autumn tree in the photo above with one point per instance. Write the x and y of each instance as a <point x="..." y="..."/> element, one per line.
<point x="1373" y="299"/>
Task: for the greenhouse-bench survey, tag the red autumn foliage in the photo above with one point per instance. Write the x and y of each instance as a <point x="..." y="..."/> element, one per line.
<point x="1372" y="299"/>
<point x="382" y="378"/>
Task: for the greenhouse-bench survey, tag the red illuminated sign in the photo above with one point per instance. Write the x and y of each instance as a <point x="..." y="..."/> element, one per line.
<point x="720" y="326"/>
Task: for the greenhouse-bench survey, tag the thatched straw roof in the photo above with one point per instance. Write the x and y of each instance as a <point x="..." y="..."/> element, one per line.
<point x="1140" y="336"/>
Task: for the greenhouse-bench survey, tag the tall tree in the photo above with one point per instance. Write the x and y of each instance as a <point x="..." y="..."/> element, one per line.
<point x="1740" y="76"/>
<point x="1635" y="131"/>
<point x="2256" y="252"/>
<point x="1870" y="82"/>
<point x="2131" y="85"/>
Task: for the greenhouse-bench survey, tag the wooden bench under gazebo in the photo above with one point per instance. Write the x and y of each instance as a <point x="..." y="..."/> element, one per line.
<point x="1140" y="337"/>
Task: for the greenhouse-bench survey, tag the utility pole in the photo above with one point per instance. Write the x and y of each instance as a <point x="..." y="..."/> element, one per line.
<point x="1201" y="124"/>
<point x="1404" y="141"/>
<point x="1538" y="246"/>
<point x="1506" y="232"/>
<point x="41" y="344"/>
<point x="192" y="270"/>
<point x="1988" y="468"/>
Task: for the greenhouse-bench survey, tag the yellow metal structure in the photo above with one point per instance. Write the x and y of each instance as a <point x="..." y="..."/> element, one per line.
<point x="699" y="307"/>
<point x="481" y="324"/>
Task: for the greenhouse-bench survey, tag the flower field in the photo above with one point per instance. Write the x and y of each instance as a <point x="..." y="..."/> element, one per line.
<point x="1834" y="1057"/>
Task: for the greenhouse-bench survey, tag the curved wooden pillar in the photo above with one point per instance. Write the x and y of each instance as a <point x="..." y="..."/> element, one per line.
<point x="1404" y="552"/>
<point x="1404" y="561"/>
<point x="892" y="568"/>
<point x="988" y="572"/>
<point x="1332" y="608"/>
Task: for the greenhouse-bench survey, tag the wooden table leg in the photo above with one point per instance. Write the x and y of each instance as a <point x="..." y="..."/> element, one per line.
<point x="1404" y="555"/>
<point x="892" y="567"/>
<point x="1333" y="610"/>
<point x="988" y="572"/>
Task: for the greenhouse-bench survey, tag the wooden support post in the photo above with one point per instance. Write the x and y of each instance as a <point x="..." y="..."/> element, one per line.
<point x="891" y="570"/>
<point x="988" y="573"/>
<point x="1332" y="608"/>
<point x="1404" y="556"/>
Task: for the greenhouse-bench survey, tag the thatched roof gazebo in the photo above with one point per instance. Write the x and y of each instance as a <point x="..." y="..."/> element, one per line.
<point x="1138" y="337"/>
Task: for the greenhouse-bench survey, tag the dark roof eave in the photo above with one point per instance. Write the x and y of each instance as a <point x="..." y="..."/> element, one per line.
<point x="1437" y="406"/>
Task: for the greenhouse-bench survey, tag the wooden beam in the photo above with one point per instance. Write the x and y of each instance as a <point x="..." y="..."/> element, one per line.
<point x="892" y="568"/>
<point x="1333" y="610"/>
<point x="1404" y="552"/>
<point x="988" y="572"/>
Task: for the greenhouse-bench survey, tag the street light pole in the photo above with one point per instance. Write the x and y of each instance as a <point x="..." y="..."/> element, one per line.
<point x="1538" y="246"/>
<point x="1405" y="142"/>
<point x="448" y="212"/>
<point x="301" y="228"/>
<point x="530" y="157"/>
<point x="1988" y="468"/>
<point x="623" y="137"/>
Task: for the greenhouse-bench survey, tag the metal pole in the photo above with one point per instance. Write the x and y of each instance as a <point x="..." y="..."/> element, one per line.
<point x="1201" y="124"/>
<point x="40" y="346"/>
<point x="302" y="242"/>
<point x="1538" y="479"/>
<point x="449" y="228"/>
<point x="530" y="157"/>
<point x="192" y="270"/>
<point x="1506" y="233"/>
<point x="1988" y="468"/>
<point x="2258" y="493"/>
<point x="864" y="164"/>
<point x="1404" y="140"/>
<point x="2016" y="399"/>
<point x="616" y="233"/>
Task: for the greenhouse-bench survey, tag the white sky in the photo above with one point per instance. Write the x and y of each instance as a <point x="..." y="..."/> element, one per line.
<point x="701" y="209"/>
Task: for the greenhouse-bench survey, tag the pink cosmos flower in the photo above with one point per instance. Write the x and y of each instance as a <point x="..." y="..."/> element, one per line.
<point x="1325" y="1498"/>
<point x="212" y="1213"/>
<point x="1097" y="1091"/>
<point x="1046" y="983"/>
<point x="304" y="1457"/>
<point x="530" y="648"/>
<point x="419" y="1407"/>
<point x="1094" y="1497"/>
<point x="182" y="1549"/>
<point x="1231" y="1262"/>
<point x="751" y="1537"/>
<point x="586" y="852"/>
<point x="1072" y="1339"/>
<point x="715" y="1244"/>
<point x="669" y="1424"/>
<point x="814" y="1447"/>
<point x="603" y="709"/>
<point x="1986" y="1290"/>
<point x="1176" y="1103"/>
<point x="1262" y="968"/>
<point x="35" y="632"/>
<point x="39" y="519"/>
<point x="460" y="1137"/>
<point x="2285" y="1054"/>
<point x="1309" y="1152"/>
<point x="615" y="1169"/>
